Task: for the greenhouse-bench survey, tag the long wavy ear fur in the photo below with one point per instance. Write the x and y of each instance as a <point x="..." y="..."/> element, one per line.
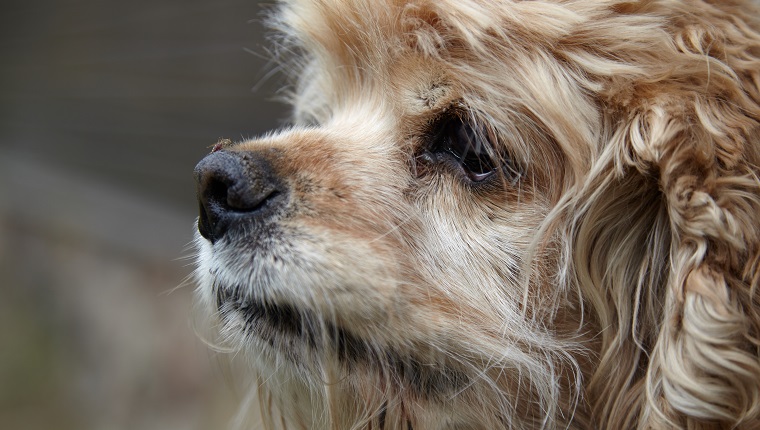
<point x="666" y="233"/>
<point x="705" y="365"/>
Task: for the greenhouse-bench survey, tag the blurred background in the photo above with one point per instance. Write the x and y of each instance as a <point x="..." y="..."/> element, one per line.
<point x="105" y="108"/>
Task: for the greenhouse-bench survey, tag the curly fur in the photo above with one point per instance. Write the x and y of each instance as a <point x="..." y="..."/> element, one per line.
<point x="613" y="285"/>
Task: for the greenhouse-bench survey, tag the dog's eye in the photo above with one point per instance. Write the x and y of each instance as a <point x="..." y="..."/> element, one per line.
<point x="456" y="141"/>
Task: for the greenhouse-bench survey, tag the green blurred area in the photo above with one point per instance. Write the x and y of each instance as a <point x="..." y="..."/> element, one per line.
<point x="105" y="107"/>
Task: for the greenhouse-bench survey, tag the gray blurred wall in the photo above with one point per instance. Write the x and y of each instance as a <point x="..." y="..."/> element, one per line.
<point x="105" y="107"/>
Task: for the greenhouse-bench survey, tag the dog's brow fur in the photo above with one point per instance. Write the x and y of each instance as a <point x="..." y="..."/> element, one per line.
<point x="607" y="276"/>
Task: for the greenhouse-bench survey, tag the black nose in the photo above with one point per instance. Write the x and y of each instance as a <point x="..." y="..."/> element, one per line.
<point x="234" y="188"/>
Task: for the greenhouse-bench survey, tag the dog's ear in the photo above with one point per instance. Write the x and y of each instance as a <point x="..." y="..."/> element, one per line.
<point x="703" y="147"/>
<point x="704" y="364"/>
<point x="666" y="238"/>
<point x="666" y="249"/>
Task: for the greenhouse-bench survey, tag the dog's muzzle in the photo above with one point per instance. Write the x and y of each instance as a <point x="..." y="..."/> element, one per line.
<point x="236" y="188"/>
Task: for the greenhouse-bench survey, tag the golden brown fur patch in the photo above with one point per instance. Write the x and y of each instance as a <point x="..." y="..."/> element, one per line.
<point x="606" y="277"/>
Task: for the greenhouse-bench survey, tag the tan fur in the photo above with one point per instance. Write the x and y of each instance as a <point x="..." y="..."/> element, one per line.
<point x="613" y="286"/>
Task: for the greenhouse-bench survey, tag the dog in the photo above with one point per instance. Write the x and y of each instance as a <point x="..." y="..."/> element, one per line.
<point x="497" y="214"/>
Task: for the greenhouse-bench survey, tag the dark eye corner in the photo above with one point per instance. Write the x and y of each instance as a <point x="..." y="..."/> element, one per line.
<point x="460" y="141"/>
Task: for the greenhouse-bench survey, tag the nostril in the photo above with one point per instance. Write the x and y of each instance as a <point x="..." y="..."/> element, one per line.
<point x="213" y="184"/>
<point x="243" y="202"/>
<point x="214" y="190"/>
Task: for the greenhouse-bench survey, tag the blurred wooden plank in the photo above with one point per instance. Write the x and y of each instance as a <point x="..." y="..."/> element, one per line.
<point x="132" y="93"/>
<point x="74" y="207"/>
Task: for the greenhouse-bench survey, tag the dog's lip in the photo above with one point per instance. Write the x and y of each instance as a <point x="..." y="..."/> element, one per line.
<point x="284" y="318"/>
<point x="278" y="322"/>
<point x="270" y="321"/>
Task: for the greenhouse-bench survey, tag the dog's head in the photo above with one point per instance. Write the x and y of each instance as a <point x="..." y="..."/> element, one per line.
<point x="499" y="214"/>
